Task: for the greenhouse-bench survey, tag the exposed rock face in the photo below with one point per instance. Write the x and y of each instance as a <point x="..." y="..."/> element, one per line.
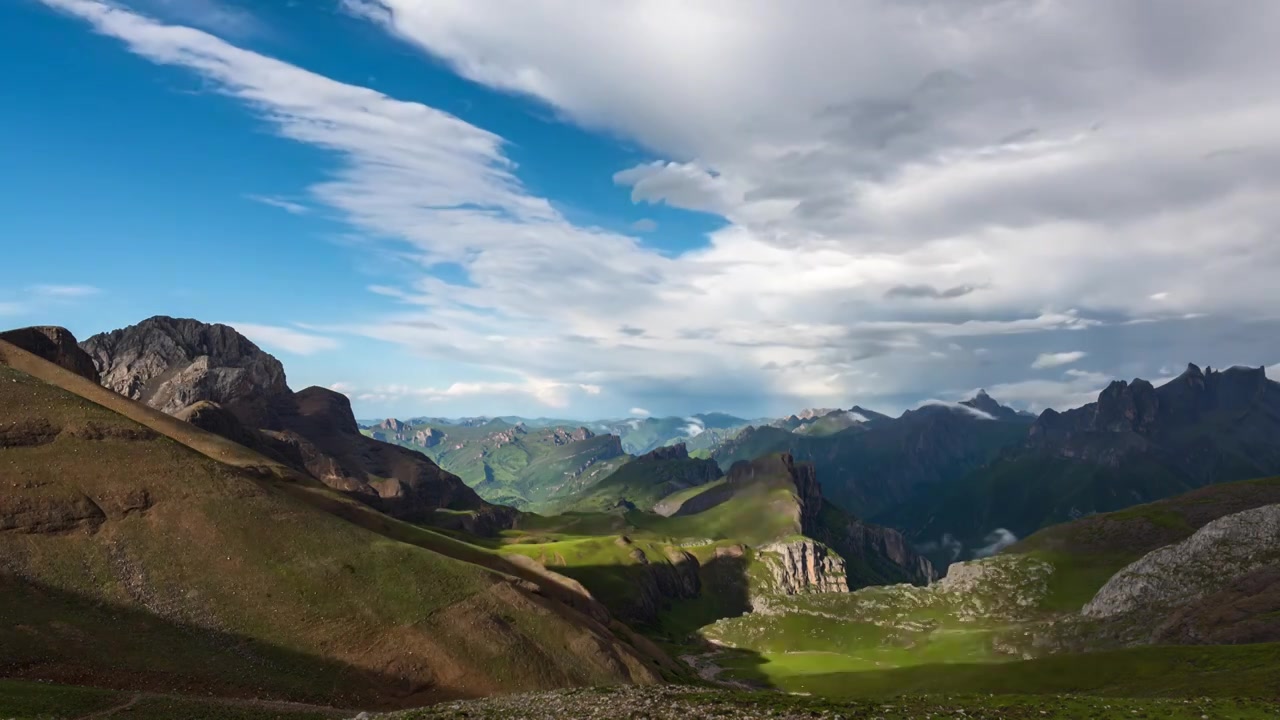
<point x="55" y="344"/>
<point x="804" y="566"/>
<point x="215" y="378"/>
<point x="170" y="363"/>
<point x="1177" y="575"/>
<point x="430" y="437"/>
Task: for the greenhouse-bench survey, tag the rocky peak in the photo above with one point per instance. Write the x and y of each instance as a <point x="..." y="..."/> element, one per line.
<point x="987" y="404"/>
<point x="170" y="363"/>
<point x="560" y="436"/>
<point x="55" y="344"/>
<point x="393" y="425"/>
<point x="678" y="451"/>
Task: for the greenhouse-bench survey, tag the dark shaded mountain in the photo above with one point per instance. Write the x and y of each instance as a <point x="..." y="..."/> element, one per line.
<point x="1135" y="444"/>
<point x="215" y="377"/>
<point x="877" y="465"/>
<point x="55" y="344"/>
<point x="141" y="552"/>
<point x="642" y="482"/>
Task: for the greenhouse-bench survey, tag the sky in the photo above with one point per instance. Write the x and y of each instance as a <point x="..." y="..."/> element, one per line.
<point x="557" y="208"/>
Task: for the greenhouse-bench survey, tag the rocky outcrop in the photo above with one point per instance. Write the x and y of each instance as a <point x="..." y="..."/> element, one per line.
<point x="55" y="344"/>
<point x="428" y="437"/>
<point x="804" y="566"/>
<point x="1146" y="591"/>
<point x="215" y="378"/>
<point x="171" y="363"/>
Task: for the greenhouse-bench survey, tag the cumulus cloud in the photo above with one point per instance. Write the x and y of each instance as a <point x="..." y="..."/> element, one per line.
<point x="287" y="339"/>
<point x="1075" y="388"/>
<point x="1052" y="360"/>
<point x="639" y="412"/>
<point x="924" y="171"/>
<point x="996" y="540"/>
<point x="644" y="225"/>
<point x="343" y="387"/>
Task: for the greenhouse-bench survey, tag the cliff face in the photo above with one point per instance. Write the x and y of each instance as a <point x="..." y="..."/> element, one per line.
<point x="804" y="566"/>
<point x="170" y="363"/>
<point x="214" y="377"/>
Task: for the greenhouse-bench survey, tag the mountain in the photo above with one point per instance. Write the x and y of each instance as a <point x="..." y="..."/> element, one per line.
<point x="1135" y="444"/>
<point x="877" y="465"/>
<point x="513" y="464"/>
<point x="642" y="482"/>
<point x="699" y="431"/>
<point x="213" y="376"/>
<point x="1075" y="607"/>
<point x="140" y="552"/>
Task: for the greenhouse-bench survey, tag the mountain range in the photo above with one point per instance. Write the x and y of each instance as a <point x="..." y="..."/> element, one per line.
<point x="176" y="521"/>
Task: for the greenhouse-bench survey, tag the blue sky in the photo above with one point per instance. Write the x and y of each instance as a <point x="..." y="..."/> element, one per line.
<point x="446" y="209"/>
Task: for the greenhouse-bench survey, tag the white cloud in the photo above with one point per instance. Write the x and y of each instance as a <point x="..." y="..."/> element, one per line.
<point x="288" y="206"/>
<point x="1052" y="360"/>
<point x="856" y="417"/>
<point x="980" y="414"/>
<point x="639" y="412"/>
<point x="644" y="225"/>
<point x="64" y="291"/>
<point x="996" y="540"/>
<point x="1077" y="388"/>
<point x="864" y="209"/>
<point x="547" y="392"/>
<point x="287" y="339"/>
<point x="343" y="387"/>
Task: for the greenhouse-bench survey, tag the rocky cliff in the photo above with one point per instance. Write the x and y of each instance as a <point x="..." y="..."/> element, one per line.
<point x="1146" y="593"/>
<point x="170" y="363"/>
<point x="216" y="378"/>
<point x="804" y="566"/>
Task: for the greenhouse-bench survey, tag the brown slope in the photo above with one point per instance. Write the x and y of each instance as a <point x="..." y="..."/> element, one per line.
<point x="302" y="485"/>
<point x="180" y="366"/>
<point x="127" y="559"/>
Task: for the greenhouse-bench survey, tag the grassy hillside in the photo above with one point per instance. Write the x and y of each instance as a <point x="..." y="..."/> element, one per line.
<point x="131" y="560"/>
<point x="968" y="632"/>
<point x="643" y="482"/>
